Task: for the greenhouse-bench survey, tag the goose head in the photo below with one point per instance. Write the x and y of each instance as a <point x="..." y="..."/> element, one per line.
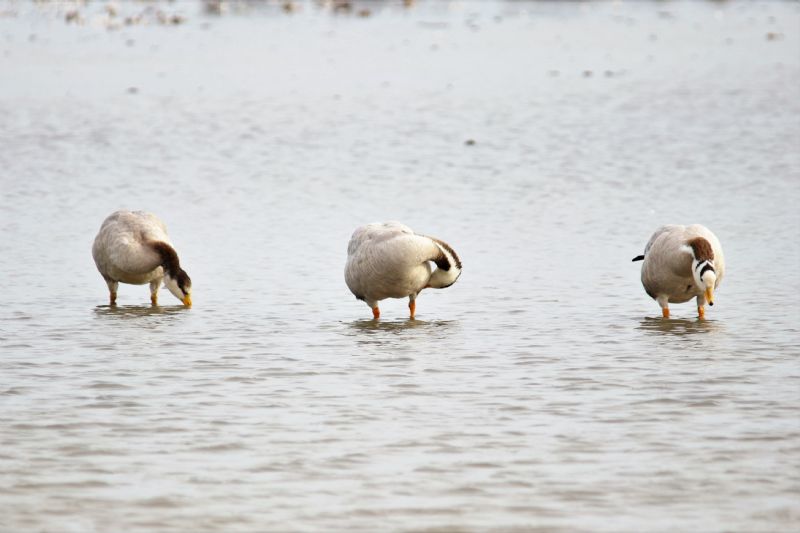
<point x="448" y="266"/>
<point x="180" y="285"/>
<point x="175" y="278"/>
<point x="705" y="277"/>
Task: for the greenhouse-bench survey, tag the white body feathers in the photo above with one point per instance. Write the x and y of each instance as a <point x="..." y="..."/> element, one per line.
<point x="120" y="249"/>
<point x="389" y="260"/>
<point x="672" y="271"/>
<point x="133" y="247"/>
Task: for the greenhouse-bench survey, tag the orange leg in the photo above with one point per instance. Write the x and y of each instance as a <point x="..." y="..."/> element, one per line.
<point x="665" y="312"/>
<point x="376" y="313"/>
<point x="112" y="296"/>
<point x="701" y="311"/>
<point x="412" y="306"/>
<point x="154" y="299"/>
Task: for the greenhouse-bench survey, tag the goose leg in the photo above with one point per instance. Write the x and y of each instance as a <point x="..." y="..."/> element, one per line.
<point x="154" y="291"/>
<point x="412" y="307"/>
<point x="701" y="310"/>
<point x="663" y="301"/>
<point x="373" y="304"/>
<point x="112" y="291"/>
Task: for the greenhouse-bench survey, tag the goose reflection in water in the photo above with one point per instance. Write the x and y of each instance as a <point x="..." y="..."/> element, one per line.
<point x="134" y="311"/>
<point x="680" y="326"/>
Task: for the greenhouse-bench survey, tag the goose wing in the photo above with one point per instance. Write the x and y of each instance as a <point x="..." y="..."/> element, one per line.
<point x="666" y="254"/>
<point x="121" y="244"/>
<point x="375" y="234"/>
<point x="667" y="267"/>
<point x="668" y="229"/>
<point x="388" y="260"/>
<point x="393" y="243"/>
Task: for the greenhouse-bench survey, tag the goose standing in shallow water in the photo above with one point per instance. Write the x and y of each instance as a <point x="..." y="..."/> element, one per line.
<point x="389" y="260"/>
<point x="680" y="263"/>
<point x="133" y="247"/>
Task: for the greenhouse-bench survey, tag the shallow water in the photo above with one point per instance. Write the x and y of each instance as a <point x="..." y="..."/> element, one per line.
<point x="541" y="391"/>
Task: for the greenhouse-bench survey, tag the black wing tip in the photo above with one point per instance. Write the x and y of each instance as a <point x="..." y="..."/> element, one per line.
<point x="637" y="258"/>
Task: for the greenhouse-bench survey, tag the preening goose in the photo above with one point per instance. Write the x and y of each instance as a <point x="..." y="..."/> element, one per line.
<point x="389" y="260"/>
<point x="133" y="247"/>
<point x="680" y="263"/>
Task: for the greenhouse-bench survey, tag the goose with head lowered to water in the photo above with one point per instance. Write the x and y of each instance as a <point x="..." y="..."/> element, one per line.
<point x="133" y="247"/>
<point x="680" y="263"/>
<point x="389" y="260"/>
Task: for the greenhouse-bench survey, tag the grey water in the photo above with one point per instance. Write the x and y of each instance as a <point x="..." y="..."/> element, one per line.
<point x="543" y="141"/>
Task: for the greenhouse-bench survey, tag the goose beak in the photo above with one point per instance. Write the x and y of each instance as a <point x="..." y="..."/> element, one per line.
<point x="710" y="295"/>
<point x="187" y="301"/>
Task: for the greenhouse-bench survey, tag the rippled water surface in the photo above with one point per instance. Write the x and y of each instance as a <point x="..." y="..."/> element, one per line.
<point x="541" y="391"/>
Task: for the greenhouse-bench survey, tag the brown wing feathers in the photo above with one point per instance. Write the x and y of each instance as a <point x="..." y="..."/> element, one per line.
<point x="702" y="249"/>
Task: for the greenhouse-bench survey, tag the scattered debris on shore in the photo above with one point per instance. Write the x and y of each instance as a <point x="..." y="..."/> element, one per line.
<point x="116" y="14"/>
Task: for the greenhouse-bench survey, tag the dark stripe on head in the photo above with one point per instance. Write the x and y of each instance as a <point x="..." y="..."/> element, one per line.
<point x="441" y="261"/>
<point x="706" y="269"/>
<point x="637" y="258"/>
<point x="702" y="249"/>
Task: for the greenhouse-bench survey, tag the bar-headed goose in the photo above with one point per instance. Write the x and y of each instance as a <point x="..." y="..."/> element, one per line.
<point x="680" y="263"/>
<point x="133" y="247"/>
<point x="389" y="260"/>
